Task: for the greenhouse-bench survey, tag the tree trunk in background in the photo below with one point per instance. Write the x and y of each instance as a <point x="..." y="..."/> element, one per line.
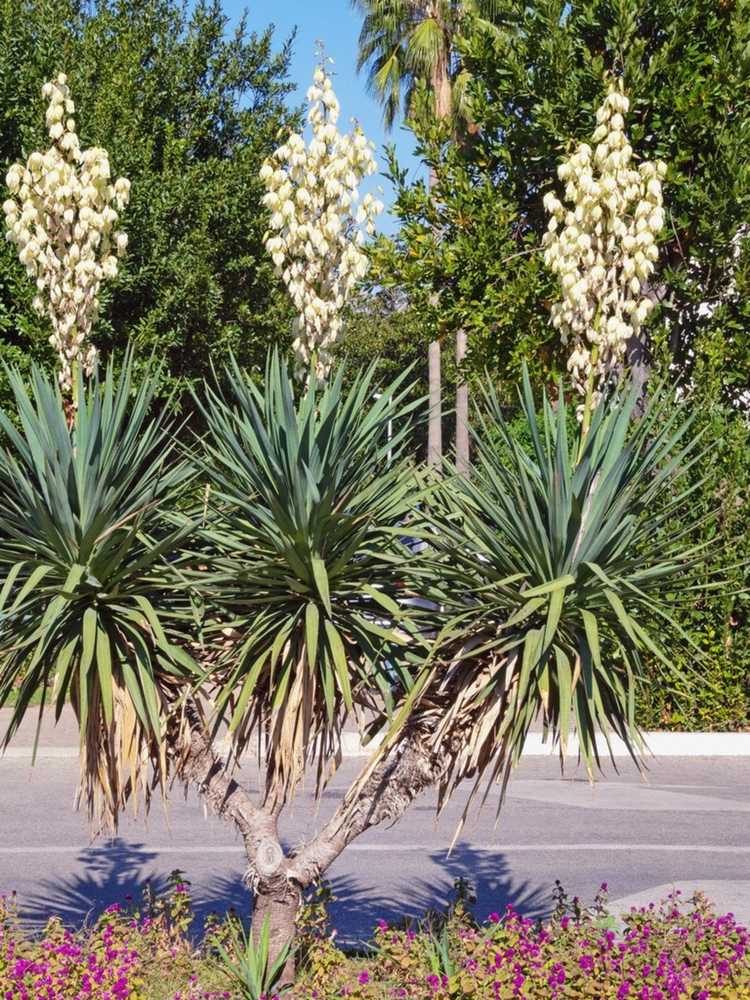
<point x="462" y="409"/>
<point x="441" y="88"/>
<point x="638" y="358"/>
<point x="435" y="418"/>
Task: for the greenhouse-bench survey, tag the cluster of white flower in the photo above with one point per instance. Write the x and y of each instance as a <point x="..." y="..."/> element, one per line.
<point x="603" y="247"/>
<point x="316" y="230"/>
<point x="61" y="218"/>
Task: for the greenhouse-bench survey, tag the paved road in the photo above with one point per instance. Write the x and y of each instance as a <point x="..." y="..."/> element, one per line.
<point x="688" y="826"/>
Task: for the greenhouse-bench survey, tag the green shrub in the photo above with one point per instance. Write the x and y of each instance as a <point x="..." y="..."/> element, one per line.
<point x="714" y="693"/>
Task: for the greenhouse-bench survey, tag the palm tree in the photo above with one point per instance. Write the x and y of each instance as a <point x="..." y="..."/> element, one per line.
<point x="404" y="43"/>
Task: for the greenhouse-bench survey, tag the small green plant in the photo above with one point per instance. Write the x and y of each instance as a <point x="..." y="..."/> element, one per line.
<point x="249" y="966"/>
<point x="438" y="954"/>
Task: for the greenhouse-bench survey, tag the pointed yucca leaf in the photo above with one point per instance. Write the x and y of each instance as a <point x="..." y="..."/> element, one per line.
<point x="550" y="588"/>
<point x="554" y="613"/>
<point x="525" y="611"/>
<point x="338" y="655"/>
<point x="89" y="627"/>
<point x="10" y="580"/>
<point x="312" y="623"/>
<point x="532" y="646"/>
<point x="564" y="678"/>
<point x="385" y="602"/>
<point x="35" y="578"/>
<point x="104" y="671"/>
<point x="592" y="636"/>
<point x="321" y="581"/>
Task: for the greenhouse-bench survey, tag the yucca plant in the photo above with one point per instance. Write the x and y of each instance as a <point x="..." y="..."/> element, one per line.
<point x="249" y="964"/>
<point x="90" y="598"/>
<point x="307" y="572"/>
<point x="558" y="557"/>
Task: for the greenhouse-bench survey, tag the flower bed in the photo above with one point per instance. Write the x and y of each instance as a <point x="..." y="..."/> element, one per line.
<point x="668" y="951"/>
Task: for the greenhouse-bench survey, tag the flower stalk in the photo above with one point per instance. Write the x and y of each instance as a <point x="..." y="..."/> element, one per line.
<point x="602" y="244"/>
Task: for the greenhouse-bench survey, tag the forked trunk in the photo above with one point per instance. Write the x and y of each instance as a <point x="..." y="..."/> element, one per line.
<point x="275" y="896"/>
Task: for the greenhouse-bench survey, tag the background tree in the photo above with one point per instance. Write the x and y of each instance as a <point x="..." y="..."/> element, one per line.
<point x="685" y="69"/>
<point x="404" y="45"/>
<point x="188" y="110"/>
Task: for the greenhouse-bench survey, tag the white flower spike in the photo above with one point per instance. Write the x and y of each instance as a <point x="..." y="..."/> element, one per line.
<point x="60" y="216"/>
<point x="316" y="230"/>
<point x="603" y="246"/>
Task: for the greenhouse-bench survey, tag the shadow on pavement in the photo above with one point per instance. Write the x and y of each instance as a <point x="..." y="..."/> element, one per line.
<point x="118" y="871"/>
<point x="357" y="909"/>
<point x="114" y="872"/>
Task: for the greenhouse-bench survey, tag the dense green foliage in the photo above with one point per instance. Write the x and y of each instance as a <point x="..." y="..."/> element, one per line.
<point x="467" y="253"/>
<point x="188" y="109"/>
<point x="713" y="690"/>
<point x="564" y="566"/>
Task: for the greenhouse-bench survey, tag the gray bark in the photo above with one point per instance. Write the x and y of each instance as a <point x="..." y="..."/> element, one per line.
<point x="275" y="897"/>
<point x="462" y="410"/>
<point x="384" y="796"/>
<point x="435" y="417"/>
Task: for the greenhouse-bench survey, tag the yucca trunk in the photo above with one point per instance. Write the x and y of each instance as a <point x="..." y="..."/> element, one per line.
<point x="275" y="896"/>
<point x="277" y="901"/>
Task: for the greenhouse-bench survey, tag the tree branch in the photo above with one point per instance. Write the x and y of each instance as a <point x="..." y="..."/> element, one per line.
<point x="202" y="767"/>
<point x="395" y="782"/>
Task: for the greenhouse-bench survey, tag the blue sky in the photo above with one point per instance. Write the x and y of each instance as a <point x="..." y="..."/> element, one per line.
<point x="336" y="24"/>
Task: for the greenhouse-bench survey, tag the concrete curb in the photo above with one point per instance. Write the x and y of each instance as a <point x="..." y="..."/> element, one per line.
<point x="660" y="744"/>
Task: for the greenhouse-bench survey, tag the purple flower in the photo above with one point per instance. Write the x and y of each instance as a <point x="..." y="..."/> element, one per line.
<point x="586" y="962"/>
<point x="364" y="977"/>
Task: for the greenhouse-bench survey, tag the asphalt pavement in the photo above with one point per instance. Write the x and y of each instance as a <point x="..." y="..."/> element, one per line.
<point x="687" y="825"/>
